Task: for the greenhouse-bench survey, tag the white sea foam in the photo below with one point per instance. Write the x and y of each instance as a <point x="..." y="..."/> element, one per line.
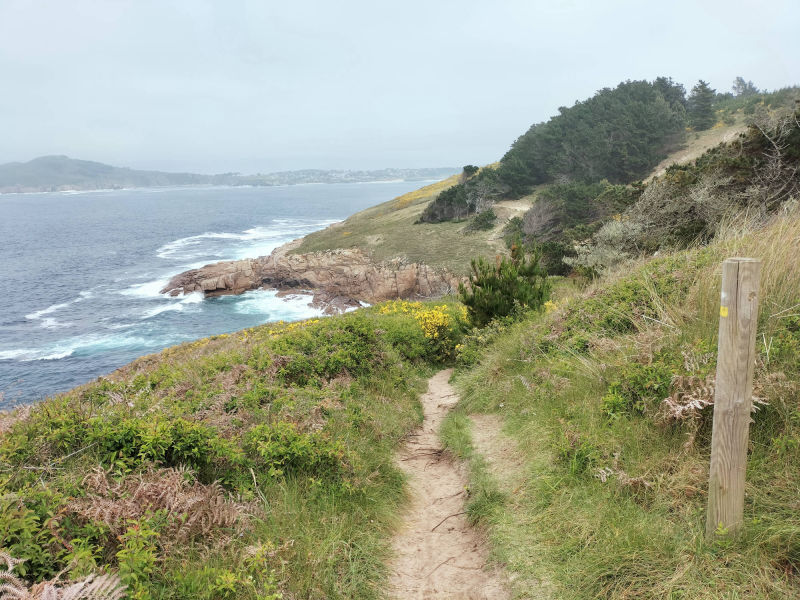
<point x="193" y="298"/>
<point x="49" y="322"/>
<point x="52" y="323"/>
<point x="148" y="289"/>
<point x="195" y="246"/>
<point x="272" y="308"/>
<point x="149" y="314"/>
<point x="14" y="354"/>
<point x="46" y="311"/>
<point x="177" y="248"/>
<point x="84" y="345"/>
<point x="174" y="304"/>
<point x="121" y="325"/>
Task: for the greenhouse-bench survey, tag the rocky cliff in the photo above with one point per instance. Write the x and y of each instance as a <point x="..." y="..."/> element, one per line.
<point x="338" y="279"/>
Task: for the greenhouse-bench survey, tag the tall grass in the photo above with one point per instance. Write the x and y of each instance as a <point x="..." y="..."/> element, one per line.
<point x="614" y="500"/>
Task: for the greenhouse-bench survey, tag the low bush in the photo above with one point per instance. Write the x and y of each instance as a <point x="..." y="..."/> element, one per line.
<point x="509" y="286"/>
<point x="283" y="451"/>
<point x="483" y="221"/>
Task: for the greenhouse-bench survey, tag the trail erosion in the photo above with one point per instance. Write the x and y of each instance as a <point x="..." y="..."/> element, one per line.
<point x="437" y="553"/>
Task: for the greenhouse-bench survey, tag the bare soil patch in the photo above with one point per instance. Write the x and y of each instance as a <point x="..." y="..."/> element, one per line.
<point x="437" y="553"/>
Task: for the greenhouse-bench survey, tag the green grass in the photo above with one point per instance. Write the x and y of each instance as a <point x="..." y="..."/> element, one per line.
<point x="484" y="498"/>
<point x="640" y="533"/>
<point x="291" y="428"/>
<point x="389" y="231"/>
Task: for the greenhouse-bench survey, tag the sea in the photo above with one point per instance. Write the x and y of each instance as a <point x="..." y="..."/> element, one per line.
<point x="80" y="272"/>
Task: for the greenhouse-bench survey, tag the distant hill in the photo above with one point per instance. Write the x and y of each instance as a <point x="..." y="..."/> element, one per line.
<point x="60" y="173"/>
<point x="55" y="173"/>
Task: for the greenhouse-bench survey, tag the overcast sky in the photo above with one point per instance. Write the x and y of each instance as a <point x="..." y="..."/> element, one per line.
<point x="258" y="86"/>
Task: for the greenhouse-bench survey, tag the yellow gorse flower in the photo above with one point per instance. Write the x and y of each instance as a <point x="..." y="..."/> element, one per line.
<point x="434" y="321"/>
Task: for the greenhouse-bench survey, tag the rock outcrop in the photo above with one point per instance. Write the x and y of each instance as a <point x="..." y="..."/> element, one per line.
<point x="338" y="278"/>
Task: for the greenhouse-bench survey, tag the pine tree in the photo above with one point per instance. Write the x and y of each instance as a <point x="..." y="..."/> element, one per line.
<point x="507" y="286"/>
<point x="701" y="110"/>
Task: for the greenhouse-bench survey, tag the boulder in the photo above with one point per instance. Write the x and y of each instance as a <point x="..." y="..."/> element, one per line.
<point x="338" y="278"/>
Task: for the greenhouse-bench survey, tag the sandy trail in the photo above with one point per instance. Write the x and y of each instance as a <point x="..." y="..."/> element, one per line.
<point x="437" y="553"/>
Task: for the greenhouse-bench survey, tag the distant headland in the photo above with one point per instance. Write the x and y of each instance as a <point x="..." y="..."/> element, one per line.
<point x="61" y="173"/>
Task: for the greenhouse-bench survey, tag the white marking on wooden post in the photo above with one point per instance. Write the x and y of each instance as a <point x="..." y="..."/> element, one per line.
<point x="733" y="397"/>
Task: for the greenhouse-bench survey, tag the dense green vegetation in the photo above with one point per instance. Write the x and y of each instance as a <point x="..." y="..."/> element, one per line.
<point x="581" y="169"/>
<point x="618" y="134"/>
<point x="608" y="400"/>
<point x="474" y="194"/>
<point x="700" y="107"/>
<point x="750" y="178"/>
<point x="246" y="465"/>
<point x="508" y="287"/>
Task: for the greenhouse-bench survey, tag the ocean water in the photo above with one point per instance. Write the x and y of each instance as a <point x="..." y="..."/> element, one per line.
<point x="81" y="271"/>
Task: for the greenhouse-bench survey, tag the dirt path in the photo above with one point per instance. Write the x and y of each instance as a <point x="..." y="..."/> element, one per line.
<point x="437" y="553"/>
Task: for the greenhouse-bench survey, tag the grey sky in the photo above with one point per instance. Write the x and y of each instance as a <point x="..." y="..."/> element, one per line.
<point x="224" y="85"/>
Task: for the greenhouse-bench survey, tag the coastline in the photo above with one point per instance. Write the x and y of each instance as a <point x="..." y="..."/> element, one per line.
<point x="76" y="191"/>
<point x="338" y="280"/>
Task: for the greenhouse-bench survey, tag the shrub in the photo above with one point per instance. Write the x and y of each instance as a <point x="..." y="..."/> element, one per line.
<point x="128" y="443"/>
<point x="137" y="557"/>
<point x="470" y="170"/>
<point x="482" y="221"/>
<point x="637" y="387"/>
<point x="284" y="450"/>
<point x="474" y="344"/>
<point x="505" y="288"/>
<point x="327" y="350"/>
<point x="475" y="194"/>
<point x="433" y="333"/>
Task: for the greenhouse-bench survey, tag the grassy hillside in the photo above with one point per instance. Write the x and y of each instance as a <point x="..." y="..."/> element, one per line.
<point x="390" y="230"/>
<point x="606" y="400"/>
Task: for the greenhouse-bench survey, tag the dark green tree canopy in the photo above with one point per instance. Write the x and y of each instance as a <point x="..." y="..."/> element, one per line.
<point x="619" y="134"/>
<point x="700" y="108"/>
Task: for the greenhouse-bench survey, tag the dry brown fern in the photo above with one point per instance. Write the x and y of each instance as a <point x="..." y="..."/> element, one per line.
<point x="194" y="509"/>
<point x="93" y="587"/>
<point x="690" y="395"/>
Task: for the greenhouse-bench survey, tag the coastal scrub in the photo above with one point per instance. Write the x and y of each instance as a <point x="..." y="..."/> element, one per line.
<point x="256" y="464"/>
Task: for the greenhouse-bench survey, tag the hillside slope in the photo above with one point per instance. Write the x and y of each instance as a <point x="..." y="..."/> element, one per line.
<point x="391" y="230"/>
<point x="251" y="465"/>
<point x="608" y="398"/>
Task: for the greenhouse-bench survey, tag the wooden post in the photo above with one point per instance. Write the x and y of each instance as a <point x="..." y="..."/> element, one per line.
<point x="736" y="356"/>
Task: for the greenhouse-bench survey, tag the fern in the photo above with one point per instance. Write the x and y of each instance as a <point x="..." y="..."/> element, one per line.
<point x="93" y="587"/>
